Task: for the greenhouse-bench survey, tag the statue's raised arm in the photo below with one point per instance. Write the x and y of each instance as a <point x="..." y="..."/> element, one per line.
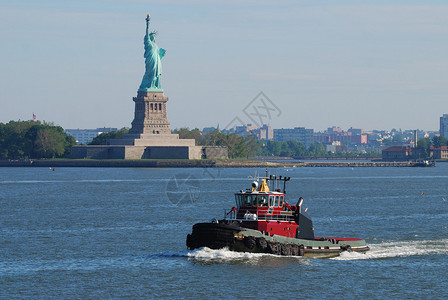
<point x="148" y="19"/>
<point x="153" y="64"/>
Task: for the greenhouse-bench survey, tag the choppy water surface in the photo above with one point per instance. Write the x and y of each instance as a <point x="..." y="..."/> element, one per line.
<point x="116" y="233"/>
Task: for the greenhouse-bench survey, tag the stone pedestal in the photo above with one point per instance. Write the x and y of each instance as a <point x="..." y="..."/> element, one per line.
<point x="152" y="140"/>
<point x="150" y="114"/>
<point x="150" y="137"/>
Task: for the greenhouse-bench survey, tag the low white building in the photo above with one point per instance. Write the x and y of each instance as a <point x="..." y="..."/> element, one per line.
<point x="84" y="136"/>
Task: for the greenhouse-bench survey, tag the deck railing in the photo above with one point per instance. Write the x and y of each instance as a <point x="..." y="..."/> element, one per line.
<point x="248" y="216"/>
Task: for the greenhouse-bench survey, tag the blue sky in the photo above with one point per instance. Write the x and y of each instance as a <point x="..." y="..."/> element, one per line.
<point x="366" y="64"/>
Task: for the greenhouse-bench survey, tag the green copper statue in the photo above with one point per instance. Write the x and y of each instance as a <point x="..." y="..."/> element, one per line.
<point x="153" y="56"/>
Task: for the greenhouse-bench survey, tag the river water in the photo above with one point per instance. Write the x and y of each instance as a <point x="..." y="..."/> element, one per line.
<point x="120" y="233"/>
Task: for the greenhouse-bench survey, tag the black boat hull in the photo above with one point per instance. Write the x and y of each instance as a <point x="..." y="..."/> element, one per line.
<point x="228" y="234"/>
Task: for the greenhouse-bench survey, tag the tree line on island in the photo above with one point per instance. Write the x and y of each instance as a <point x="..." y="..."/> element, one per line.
<point x="238" y="146"/>
<point x="36" y="139"/>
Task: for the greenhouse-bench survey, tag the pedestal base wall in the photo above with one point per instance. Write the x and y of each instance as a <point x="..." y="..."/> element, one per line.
<point x="136" y="152"/>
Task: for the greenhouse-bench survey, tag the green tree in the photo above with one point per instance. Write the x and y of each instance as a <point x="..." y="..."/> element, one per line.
<point x="317" y="149"/>
<point x="274" y="147"/>
<point x="251" y="145"/>
<point x="16" y="141"/>
<point x="21" y="139"/>
<point x="285" y="150"/>
<point x="49" y="143"/>
<point x="214" y="138"/>
<point x="103" y="137"/>
<point x="423" y="146"/>
<point x="3" y="148"/>
<point x="69" y="143"/>
<point x="185" y="133"/>
<point x="438" y="141"/>
<point x="269" y="148"/>
<point x="235" y="145"/>
<point x="297" y="148"/>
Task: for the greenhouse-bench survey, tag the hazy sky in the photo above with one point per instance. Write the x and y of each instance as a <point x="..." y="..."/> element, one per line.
<point x="366" y="64"/>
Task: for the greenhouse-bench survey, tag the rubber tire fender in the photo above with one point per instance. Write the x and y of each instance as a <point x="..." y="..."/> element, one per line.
<point x="261" y="243"/>
<point x="249" y="242"/>
<point x="273" y="248"/>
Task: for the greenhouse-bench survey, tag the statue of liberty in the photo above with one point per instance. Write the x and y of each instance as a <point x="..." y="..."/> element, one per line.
<point x="153" y="56"/>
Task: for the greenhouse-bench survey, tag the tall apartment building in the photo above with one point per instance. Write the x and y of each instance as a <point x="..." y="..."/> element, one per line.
<point x="444" y="125"/>
<point x="265" y="132"/>
<point x="300" y="134"/>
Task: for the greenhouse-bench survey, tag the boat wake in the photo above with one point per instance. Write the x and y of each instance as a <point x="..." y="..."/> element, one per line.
<point x="399" y="249"/>
<point x="377" y="251"/>
<point x="221" y="255"/>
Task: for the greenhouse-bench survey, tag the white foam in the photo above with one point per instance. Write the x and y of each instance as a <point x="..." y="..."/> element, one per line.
<point x="222" y="254"/>
<point x="399" y="249"/>
<point x="377" y="251"/>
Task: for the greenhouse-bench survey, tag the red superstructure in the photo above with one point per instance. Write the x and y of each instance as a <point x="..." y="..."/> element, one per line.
<point x="266" y="210"/>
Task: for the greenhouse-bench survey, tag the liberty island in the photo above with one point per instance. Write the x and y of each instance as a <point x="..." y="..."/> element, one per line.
<point x="150" y="136"/>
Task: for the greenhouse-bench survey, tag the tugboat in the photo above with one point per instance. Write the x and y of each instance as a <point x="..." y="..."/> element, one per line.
<point x="263" y="222"/>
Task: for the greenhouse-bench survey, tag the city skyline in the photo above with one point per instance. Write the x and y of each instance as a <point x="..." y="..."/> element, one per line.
<point x="370" y="65"/>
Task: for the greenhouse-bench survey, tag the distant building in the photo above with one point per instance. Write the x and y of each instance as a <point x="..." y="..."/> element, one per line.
<point x="85" y="136"/>
<point x="355" y="131"/>
<point x="444" y="125"/>
<point x="334" y="129"/>
<point x="336" y="147"/>
<point x="299" y="134"/>
<point x="245" y="130"/>
<point x="439" y="153"/>
<point x="265" y="132"/>
<point x="358" y="139"/>
<point x="398" y="153"/>
<point x="336" y="134"/>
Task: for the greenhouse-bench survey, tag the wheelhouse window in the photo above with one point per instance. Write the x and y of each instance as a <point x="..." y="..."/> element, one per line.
<point x="276" y="201"/>
<point x="253" y="200"/>
<point x="239" y="200"/>
<point x="262" y="200"/>
<point x="245" y="200"/>
<point x="282" y="199"/>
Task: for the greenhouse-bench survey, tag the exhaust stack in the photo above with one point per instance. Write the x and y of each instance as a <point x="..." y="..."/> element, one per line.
<point x="415" y="138"/>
